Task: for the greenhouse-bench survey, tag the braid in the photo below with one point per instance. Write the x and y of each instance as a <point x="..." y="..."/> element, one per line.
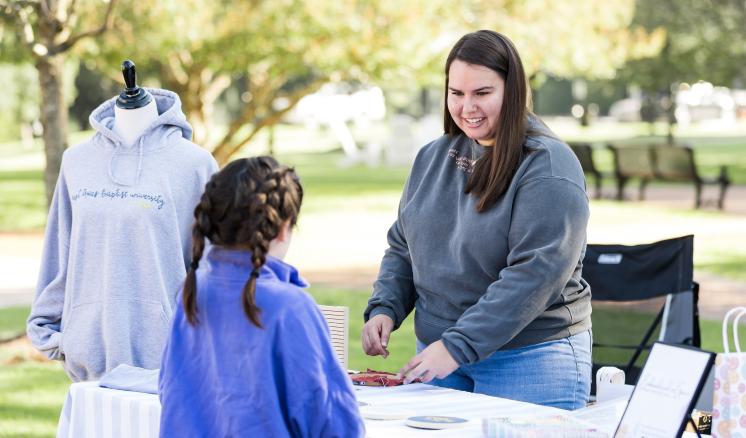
<point x="290" y="194"/>
<point x="259" y="247"/>
<point x="201" y="224"/>
<point x="245" y="206"/>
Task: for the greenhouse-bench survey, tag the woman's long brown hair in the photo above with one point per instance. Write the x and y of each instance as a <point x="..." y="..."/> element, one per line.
<point x="245" y="205"/>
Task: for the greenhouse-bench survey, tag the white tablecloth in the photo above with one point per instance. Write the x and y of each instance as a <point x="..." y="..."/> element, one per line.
<point x="94" y="412"/>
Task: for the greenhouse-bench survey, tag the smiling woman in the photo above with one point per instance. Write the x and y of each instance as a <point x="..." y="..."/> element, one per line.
<point x="475" y="95"/>
<point x="495" y="277"/>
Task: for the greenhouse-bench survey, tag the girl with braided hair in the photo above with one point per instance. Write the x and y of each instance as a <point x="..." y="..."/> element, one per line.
<point x="249" y="352"/>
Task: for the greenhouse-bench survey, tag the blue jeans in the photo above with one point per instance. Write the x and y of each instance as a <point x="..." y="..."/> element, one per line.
<point x="554" y="373"/>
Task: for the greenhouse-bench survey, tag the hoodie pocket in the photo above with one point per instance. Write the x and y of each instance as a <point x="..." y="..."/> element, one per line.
<point x="101" y="335"/>
<point x="81" y="339"/>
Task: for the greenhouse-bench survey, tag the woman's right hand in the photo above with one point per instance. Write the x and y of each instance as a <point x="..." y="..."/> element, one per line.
<point x="376" y="334"/>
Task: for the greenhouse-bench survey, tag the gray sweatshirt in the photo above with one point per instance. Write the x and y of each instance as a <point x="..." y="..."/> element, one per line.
<point x="117" y="243"/>
<point x="501" y="279"/>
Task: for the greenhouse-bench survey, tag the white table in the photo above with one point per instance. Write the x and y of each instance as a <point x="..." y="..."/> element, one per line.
<point x="91" y="411"/>
<point x="94" y="412"/>
<point x="419" y="399"/>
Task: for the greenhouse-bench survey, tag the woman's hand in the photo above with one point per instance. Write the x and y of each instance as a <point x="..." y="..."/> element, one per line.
<point x="434" y="361"/>
<point x="376" y="334"/>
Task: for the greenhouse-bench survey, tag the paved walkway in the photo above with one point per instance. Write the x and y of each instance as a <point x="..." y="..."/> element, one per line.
<point x="682" y="196"/>
<point x="350" y="258"/>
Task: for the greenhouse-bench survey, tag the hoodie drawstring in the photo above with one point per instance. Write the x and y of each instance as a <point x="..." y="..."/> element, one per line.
<point x="139" y="161"/>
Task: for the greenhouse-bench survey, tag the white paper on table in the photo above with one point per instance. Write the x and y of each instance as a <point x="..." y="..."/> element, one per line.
<point x="604" y="416"/>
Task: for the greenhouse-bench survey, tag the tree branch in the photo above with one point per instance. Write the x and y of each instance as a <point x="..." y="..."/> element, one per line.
<point x="248" y="112"/>
<point x="177" y="68"/>
<point x="70" y="42"/>
<point x="70" y="8"/>
<point x="224" y="150"/>
<point x="216" y="87"/>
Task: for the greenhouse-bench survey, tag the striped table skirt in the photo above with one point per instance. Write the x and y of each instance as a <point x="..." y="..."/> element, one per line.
<point x="92" y="411"/>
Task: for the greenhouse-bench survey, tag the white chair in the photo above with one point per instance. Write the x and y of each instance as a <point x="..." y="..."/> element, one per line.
<point x="337" y="318"/>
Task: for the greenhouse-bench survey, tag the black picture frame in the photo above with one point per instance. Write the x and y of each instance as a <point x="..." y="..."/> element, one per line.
<point x="701" y="379"/>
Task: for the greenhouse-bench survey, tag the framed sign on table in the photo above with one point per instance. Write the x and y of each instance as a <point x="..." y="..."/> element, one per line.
<point x="665" y="394"/>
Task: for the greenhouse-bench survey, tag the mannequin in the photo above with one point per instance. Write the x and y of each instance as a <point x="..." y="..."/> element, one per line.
<point x="135" y="109"/>
<point x="118" y="238"/>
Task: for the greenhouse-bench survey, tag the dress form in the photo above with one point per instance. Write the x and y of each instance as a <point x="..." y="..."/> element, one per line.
<point x="135" y="109"/>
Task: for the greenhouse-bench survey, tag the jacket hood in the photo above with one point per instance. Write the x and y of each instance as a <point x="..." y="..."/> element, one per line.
<point x="235" y="262"/>
<point x="170" y="124"/>
<point x="171" y="119"/>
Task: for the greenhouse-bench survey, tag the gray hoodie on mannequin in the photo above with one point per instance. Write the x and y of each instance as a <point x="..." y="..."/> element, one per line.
<point x="117" y="243"/>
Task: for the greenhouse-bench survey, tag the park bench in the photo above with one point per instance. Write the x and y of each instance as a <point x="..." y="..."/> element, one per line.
<point x="584" y="152"/>
<point x="676" y="163"/>
<point x="632" y="162"/>
<point x="663" y="162"/>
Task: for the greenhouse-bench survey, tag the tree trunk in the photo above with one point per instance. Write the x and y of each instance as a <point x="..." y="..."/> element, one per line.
<point x="670" y="110"/>
<point x="53" y="118"/>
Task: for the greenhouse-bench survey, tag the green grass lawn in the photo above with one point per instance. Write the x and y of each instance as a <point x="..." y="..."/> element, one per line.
<point x="31" y="397"/>
<point x="32" y="392"/>
<point x="12" y="322"/>
<point x="628" y="328"/>
<point x="323" y="177"/>
<point x="22" y="204"/>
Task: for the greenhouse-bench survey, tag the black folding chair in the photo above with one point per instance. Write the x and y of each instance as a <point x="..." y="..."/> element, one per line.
<point x="640" y="294"/>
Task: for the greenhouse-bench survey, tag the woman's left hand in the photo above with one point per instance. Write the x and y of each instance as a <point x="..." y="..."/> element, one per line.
<point x="434" y="361"/>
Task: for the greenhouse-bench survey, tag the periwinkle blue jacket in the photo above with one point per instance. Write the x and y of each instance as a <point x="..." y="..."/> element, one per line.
<point x="226" y="377"/>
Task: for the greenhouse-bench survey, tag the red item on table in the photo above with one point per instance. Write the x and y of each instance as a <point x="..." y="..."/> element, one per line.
<point x="376" y="378"/>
